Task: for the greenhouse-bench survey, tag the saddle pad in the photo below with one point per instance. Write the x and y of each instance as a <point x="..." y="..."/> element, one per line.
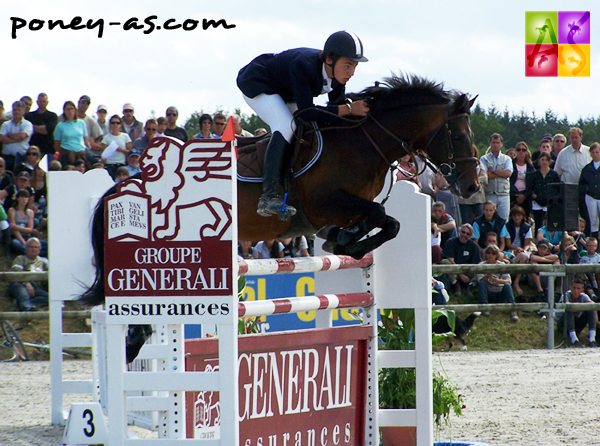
<point x="306" y="153"/>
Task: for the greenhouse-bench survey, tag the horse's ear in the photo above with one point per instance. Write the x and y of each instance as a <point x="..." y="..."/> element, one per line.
<point x="472" y="101"/>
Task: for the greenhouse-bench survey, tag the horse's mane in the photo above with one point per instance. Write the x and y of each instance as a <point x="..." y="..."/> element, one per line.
<point x="404" y="90"/>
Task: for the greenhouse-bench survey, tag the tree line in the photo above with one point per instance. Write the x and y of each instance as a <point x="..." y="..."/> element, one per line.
<point x="514" y="127"/>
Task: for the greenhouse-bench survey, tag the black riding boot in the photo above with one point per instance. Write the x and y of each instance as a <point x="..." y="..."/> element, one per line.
<point x="270" y="203"/>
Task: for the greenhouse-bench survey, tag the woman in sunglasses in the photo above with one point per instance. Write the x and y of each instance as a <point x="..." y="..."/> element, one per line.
<point x="32" y="159"/>
<point x="206" y="123"/>
<point x="522" y="166"/>
<point x="123" y="142"/>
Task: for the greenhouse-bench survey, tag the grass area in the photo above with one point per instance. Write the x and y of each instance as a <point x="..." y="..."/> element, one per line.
<point x="499" y="332"/>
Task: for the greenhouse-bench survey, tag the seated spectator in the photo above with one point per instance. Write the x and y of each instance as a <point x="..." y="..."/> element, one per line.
<point x="537" y="184"/>
<point x="519" y="233"/>
<point x="21" y="224"/>
<point x="79" y="166"/>
<point x="436" y="239"/>
<point x="260" y="131"/>
<point x="522" y="166"/>
<point x="6" y="176"/>
<point x="269" y="249"/>
<point x="492" y="286"/>
<point x="571" y="254"/>
<point x="54" y="166"/>
<point x="295" y="247"/>
<point x="590" y="256"/>
<point x="9" y="195"/>
<point x="445" y="225"/>
<point x="38" y="184"/>
<point x="545" y="257"/>
<point x="123" y="142"/>
<point x="491" y="238"/>
<point x="489" y="221"/>
<point x="461" y="250"/>
<point x="122" y="174"/>
<point x="28" y="295"/>
<point x="133" y="163"/>
<point x="141" y="144"/>
<point x="577" y="320"/>
<point x="553" y="238"/>
<point x="246" y="250"/>
<point x="579" y="236"/>
<point x="32" y="159"/>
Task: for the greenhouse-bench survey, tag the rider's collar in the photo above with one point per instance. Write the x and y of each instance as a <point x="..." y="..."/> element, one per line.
<point x="326" y="82"/>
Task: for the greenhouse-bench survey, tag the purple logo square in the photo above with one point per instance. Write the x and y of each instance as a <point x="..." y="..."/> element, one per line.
<point x="575" y="22"/>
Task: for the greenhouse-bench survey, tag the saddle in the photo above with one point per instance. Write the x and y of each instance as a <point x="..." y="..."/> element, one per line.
<point x="307" y="144"/>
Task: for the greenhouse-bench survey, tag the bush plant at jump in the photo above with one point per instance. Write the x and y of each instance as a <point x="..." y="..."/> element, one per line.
<point x="397" y="386"/>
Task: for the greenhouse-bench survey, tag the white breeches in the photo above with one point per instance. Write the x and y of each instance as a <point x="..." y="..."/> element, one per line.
<point x="275" y="112"/>
<point x="594" y="212"/>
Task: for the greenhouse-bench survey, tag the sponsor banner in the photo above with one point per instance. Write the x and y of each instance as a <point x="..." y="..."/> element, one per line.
<point x="175" y="309"/>
<point x="169" y="237"/>
<point x="299" y="387"/>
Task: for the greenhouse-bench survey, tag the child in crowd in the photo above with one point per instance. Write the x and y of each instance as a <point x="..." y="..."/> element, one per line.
<point x="590" y="257"/>
<point x="121" y="174"/>
<point x="246" y="250"/>
<point x="545" y="257"/>
<point x="576" y="320"/>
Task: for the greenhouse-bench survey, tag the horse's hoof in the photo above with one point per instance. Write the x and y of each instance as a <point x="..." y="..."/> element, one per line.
<point x="356" y="251"/>
<point x="347" y="236"/>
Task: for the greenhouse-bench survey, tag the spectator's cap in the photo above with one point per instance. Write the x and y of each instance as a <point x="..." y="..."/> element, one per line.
<point x="172" y="110"/>
<point x="85" y="97"/>
<point x="1" y="104"/>
<point x="543" y="242"/>
<point x="102" y="107"/>
<point x="547" y="136"/>
<point x="24" y="174"/>
<point x="128" y="106"/>
<point x="134" y="153"/>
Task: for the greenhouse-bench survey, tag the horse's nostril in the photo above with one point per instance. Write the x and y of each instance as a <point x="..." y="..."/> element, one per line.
<point x="473" y="188"/>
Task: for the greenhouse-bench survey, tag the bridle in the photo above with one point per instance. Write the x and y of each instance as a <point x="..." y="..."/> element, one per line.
<point x="445" y="169"/>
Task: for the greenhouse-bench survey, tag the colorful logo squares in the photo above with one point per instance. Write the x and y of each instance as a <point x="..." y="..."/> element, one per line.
<point x="557" y="43"/>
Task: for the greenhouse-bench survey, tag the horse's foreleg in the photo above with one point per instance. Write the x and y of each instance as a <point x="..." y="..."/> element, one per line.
<point x="389" y="230"/>
<point x="374" y="213"/>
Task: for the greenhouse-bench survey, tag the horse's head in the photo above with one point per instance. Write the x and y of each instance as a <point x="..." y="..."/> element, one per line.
<point x="452" y="148"/>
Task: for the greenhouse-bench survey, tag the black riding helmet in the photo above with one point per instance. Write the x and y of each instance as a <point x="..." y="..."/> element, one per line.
<point x="344" y="44"/>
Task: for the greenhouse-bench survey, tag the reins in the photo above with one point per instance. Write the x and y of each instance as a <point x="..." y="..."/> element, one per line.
<point x="447" y="170"/>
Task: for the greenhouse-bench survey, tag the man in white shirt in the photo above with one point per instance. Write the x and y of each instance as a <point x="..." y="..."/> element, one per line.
<point x="15" y="135"/>
<point x="499" y="168"/>
<point x="572" y="159"/>
<point x="570" y="162"/>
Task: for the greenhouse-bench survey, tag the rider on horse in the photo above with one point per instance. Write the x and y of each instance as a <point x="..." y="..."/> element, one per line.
<point x="275" y="85"/>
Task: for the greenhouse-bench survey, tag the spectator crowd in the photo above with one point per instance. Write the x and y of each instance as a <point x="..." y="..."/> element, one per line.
<point x="507" y="222"/>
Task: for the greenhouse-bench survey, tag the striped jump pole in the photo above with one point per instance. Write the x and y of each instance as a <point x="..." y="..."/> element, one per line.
<point x="265" y="267"/>
<point x="305" y="303"/>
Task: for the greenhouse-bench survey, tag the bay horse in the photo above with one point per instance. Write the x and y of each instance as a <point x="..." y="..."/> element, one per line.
<point x="335" y="196"/>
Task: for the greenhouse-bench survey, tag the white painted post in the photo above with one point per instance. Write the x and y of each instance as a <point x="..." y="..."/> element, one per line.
<point x="71" y="199"/>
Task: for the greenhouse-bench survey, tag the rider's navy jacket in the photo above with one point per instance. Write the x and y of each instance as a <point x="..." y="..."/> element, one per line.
<point x="296" y="75"/>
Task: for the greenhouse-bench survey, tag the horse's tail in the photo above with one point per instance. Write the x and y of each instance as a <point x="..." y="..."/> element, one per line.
<point x="95" y="294"/>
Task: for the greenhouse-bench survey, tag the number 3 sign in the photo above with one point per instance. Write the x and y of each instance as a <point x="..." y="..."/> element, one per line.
<point x="85" y="425"/>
